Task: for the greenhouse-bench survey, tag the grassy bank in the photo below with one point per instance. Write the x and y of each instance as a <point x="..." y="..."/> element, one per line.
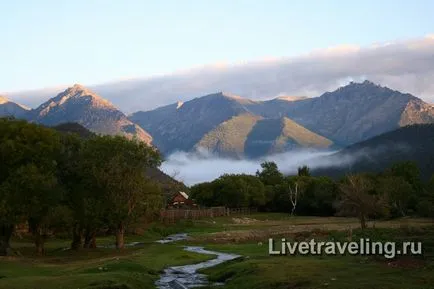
<point x="259" y="270"/>
<point x="91" y="269"/>
<point x="140" y="267"/>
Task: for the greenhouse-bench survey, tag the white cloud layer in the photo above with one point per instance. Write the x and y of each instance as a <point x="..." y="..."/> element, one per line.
<point x="407" y="66"/>
<point x="193" y="168"/>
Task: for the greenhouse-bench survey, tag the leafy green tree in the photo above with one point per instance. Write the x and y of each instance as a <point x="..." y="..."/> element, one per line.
<point x="29" y="155"/>
<point x="37" y="193"/>
<point x="231" y="191"/>
<point x="425" y="206"/>
<point x="398" y="192"/>
<point x="203" y="194"/>
<point x="83" y="196"/>
<point x="304" y="171"/>
<point x="117" y="171"/>
<point x="270" y="174"/>
<point x="319" y="197"/>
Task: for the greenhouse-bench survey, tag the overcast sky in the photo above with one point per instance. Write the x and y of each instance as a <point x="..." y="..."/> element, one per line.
<point x="407" y="66"/>
<point x="171" y="50"/>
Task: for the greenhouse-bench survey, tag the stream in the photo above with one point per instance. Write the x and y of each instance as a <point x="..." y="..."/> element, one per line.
<point x="186" y="276"/>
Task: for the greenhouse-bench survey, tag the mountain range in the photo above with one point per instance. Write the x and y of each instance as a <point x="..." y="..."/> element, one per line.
<point x="232" y="126"/>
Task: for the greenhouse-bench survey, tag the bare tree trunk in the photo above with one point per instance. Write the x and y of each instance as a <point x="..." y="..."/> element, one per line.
<point x="39" y="241"/>
<point x="38" y="237"/>
<point x="6" y="232"/>
<point x="120" y="230"/>
<point x="90" y="239"/>
<point x="293" y="195"/>
<point x="77" y="237"/>
<point x="362" y="221"/>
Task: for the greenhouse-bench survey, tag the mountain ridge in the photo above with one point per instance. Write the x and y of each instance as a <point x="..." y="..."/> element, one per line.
<point x="81" y="105"/>
<point x="218" y="122"/>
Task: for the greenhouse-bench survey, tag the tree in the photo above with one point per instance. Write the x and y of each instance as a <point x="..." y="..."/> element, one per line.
<point x="82" y="195"/>
<point x="399" y="193"/>
<point x="356" y="198"/>
<point x="319" y="197"/>
<point x="203" y="194"/>
<point x="294" y="194"/>
<point x="425" y="206"/>
<point x="37" y="193"/>
<point x="29" y="155"/>
<point x="270" y="174"/>
<point x="304" y="171"/>
<point x="117" y="169"/>
<point x="296" y="187"/>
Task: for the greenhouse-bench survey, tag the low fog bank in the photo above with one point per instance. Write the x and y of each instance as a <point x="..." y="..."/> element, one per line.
<point x="193" y="168"/>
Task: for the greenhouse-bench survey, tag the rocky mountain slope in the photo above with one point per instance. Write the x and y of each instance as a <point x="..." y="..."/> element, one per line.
<point x="351" y="113"/>
<point x="182" y="126"/>
<point x="223" y="124"/>
<point x="234" y="126"/>
<point x="80" y="105"/>
<point x="9" y="108"/>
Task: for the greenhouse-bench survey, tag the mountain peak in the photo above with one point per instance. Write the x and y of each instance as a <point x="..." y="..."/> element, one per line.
<point x="365" y="83"/>
<point x="237" y="98"/>
<point x="79" y="86"/>
<point x="3" y="99"/>
<point x="79" y="90"/>
<point x="83" y="106"/>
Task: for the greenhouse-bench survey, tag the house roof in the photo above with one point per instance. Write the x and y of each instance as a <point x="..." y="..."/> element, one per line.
<point x="184" y="195"/>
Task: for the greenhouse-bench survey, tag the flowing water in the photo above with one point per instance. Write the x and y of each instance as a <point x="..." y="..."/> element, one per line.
<point x="183" y="277"/>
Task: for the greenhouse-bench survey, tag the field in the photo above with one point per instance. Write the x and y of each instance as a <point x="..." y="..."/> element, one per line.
<point x="139" y="267"/>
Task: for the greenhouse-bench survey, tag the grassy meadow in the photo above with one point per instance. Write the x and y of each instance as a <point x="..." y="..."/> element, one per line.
<point x="139" y="267"/>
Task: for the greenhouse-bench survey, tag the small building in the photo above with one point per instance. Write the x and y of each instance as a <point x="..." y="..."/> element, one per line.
<point x="181" y="200"/>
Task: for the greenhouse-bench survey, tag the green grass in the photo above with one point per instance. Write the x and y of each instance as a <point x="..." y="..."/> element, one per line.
<point x="96" y="268"/>
<point x="259" y="270"/>
<point x="139" y="267"/>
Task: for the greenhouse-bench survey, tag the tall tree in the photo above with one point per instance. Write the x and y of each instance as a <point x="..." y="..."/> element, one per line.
<point x="357" y="199"/>
<point x="399" y="193"/>
<point x="270" y="174"/>
<point x="117" y="168"/>
<point x="37" y="193"/>
<point x="29" y="155"/>
<point x="304" y="171"/>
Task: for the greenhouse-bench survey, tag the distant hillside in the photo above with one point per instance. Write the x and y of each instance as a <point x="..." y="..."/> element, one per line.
<point x="276" y="135"/>
<point x="230" y="136"/>
<point x="9" y="108"/>
<point x="223" y="124"/>
<point x="352" y="113"/>
<point x="410" y="143"/>
<point x="73" y="127"/>
<point x="80" y="105"/>
<point x="233" y="126"/>
<point x="181" y="127"/>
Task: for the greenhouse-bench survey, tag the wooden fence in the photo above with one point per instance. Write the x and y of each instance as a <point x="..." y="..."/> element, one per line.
<point x="172" y="215"/>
